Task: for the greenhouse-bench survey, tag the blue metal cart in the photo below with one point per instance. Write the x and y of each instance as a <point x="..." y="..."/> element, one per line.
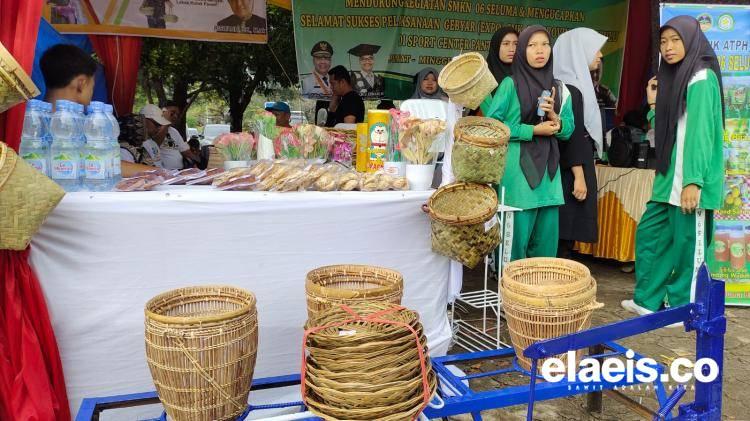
<point x="705" y="316"/>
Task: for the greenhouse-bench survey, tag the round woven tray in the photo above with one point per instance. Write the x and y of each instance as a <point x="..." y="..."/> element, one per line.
<point x="360" y="368"/>
<point x="330" y="286"/>
<point x="481" y="131"/>
<point x="467" y="80"/>
<point x="201" y="344"/>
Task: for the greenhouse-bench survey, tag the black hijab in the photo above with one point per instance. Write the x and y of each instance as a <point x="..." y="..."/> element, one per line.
<point x="673" y="81"/>
<point x="499" y="69"/>
<point x="422" y="75"/>
<point x="542" y="151"/>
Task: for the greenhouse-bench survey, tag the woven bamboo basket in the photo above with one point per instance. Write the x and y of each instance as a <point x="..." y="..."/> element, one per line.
<point x="546" y="298"/>
<point x="15" y="85"/>
<point x="330" y="286"/>
<point x="367" y="369"/>
<point x="467" y="80"/>
<point x="201" y="344"/>
<point x="464" y="222"/>
<point x="26" y="198"/>
<point x="479" y="150"/>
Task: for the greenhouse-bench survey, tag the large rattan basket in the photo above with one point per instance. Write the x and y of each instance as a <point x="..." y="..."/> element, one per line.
<point x="26" y="198"/>
<point x="479" y="150"/>
<point x="330" y="286"/>
<point x="464" y="222"/>
<point x="201" y="344"/>
<point x="467" y="80"/>
<point x="546" y="298"/>
<point x="367" y="362"/>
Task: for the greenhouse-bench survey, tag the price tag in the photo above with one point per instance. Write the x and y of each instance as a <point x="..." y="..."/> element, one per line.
<point x="491" y="223"/>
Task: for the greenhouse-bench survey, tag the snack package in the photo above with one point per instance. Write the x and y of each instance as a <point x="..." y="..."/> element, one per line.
<point x="207" y="179"/>
<point x="349" y="181"/>
<point x="140" y="183"/>
<point x="244" y="182"/>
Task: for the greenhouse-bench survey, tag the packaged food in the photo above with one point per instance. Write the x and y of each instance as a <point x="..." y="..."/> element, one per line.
<point x="207" y="178"/>
<point x="140" y="183"/>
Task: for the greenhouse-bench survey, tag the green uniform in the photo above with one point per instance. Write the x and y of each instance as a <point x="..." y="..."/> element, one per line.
<point x="670" y="245"/>
<point x="535" y="229"/>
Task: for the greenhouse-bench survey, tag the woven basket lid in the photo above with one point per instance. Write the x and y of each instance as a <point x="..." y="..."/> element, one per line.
<point x="15" y="85"/>
<point x="481" y="131"/>
<point x="463" y="204"/>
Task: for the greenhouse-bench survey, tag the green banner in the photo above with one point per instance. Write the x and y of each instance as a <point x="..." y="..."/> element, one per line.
<point x="384" y="43"/>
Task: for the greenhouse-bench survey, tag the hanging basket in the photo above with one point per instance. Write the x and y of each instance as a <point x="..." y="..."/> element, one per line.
<point x="331" y="286"/>
<point x="367" y="362"/>
<point x="464" y="222"/>
<point x="26" y="198"/>
<point x="15" y="85"/>
<point x="479" y="149"/>
<point x="545" y="298"/>
<point x="467" y="80"/>
<point x="201" y="344"/>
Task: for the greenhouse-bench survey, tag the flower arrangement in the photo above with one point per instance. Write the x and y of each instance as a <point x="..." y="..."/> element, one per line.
<point x="416" y="136"/>
<point x="342" y="150"/>
<point x="237" y="146"/>
<point x="265" y="125"/>
<point x="315" y="142"/>
<point x="287" y="144"/>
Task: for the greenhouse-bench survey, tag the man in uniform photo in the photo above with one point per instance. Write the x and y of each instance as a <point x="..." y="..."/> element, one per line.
<point x="242" y="20"/>
<point x="365" y="81"/>
<point x="317" y="85"/>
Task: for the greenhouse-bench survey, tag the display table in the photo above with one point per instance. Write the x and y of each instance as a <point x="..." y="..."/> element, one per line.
<point x="622" y="197"/>
<point x="101" y="256"/>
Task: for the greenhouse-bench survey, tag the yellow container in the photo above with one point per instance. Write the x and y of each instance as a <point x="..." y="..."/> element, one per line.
<point x="379" y="129"/>
<point x="363" y="145"/>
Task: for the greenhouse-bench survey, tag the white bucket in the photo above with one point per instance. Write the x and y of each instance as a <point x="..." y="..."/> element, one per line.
<point x="420" y="176"/>
<point x="394" y="169"/>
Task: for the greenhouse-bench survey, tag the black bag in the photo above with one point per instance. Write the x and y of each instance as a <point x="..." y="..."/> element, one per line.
<point x="622" y="150"/>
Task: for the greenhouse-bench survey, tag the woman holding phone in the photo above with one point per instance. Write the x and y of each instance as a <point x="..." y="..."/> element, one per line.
<point x="538" y="111"/>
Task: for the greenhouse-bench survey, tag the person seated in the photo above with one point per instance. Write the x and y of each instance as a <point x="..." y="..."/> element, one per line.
<point x="426" y="86"/>
<point x="156" y="129"/>
<point x="69" y="75"/>
<point x="174" y="149"/>
<point x="281" y="111"/>
<point x="132" y="137"/>
<point x="346" y="105"/>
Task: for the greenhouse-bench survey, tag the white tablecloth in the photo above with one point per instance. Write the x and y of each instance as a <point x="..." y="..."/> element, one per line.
<point x="101" y="256"/>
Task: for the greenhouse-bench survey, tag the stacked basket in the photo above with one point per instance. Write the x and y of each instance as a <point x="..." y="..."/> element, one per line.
<point x="201" y="344"/>
<point x="331" y="286"/>
<point x="464" y="214"/>
<point x="546" y="298"/>
<point x="367" y="361"/>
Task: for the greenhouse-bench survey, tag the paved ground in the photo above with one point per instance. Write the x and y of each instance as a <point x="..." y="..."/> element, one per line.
<point x="663" y="345"/>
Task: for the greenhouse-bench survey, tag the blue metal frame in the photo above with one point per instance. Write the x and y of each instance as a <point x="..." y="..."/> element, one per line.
<point x="705" y="316"/>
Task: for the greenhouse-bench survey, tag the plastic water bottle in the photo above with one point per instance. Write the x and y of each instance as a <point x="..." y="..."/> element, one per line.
<point x="34" y="148"/>
<point x="116" y="159"/>
<point x="65" y="150"/>
<point x="80" y="136"/>
<point x="98" y="150"/>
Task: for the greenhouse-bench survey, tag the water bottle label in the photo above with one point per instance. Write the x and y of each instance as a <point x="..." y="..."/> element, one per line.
<point x="37" y="161"/>
<point x="96" y="168"/>
<point x="64" y="167"/>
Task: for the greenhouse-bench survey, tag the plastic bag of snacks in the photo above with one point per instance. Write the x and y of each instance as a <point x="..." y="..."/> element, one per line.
<point x="207" y="178"/>
<point x="315" y="142"/>
<point x="140" y="183"/>
<point x="342" y="149"/>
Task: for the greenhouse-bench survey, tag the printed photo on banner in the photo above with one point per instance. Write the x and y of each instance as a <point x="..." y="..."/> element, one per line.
<point x="384" y="45"/>
<point x="208" y="20"/>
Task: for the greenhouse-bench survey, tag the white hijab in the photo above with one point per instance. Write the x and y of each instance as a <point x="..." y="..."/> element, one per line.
<point x="574" y="50"/>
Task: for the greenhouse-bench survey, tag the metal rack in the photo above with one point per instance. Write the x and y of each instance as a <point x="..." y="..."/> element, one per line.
<point x="466" y="335"/>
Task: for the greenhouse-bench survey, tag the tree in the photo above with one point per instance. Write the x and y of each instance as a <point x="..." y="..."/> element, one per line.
<point x="183" y="70"/>
<point x="239" y="70"/>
